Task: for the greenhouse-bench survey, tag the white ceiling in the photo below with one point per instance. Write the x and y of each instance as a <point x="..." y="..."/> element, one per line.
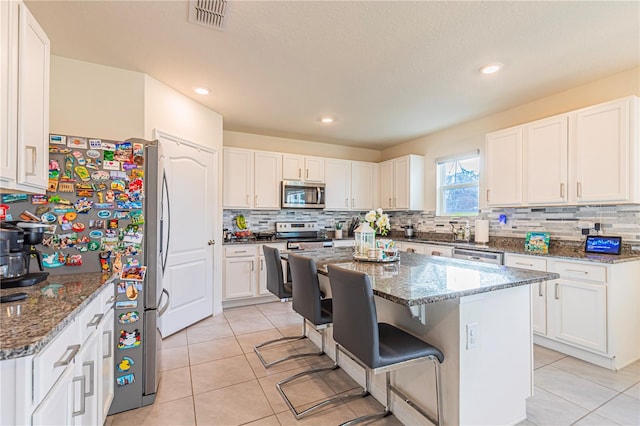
<point x="388" y="71"/>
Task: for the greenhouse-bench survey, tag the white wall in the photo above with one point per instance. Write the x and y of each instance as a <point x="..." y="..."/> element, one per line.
<point x="298" y="146"/>
<point x="95" y="100"/>
<point x="471" y="135"/>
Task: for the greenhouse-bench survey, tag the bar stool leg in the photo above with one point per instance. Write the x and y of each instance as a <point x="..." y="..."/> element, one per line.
<point x="266" y="364"/>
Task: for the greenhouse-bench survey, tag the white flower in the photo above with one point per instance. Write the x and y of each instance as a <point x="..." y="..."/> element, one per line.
<point x="370" y="217"/>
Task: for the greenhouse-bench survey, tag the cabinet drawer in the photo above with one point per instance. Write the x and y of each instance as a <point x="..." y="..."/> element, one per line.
<point x="52" y="361"/>
<point x="244" y="250"/>
<point x="582" y="271"/>
<point x="89" y="318"/>
<point x="526" y="262"/>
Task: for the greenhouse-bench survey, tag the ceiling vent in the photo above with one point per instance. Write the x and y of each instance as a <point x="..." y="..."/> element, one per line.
<point x="208" y="13"/>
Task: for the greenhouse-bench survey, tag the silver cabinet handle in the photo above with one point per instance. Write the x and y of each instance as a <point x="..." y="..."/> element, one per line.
<point x="557" y="291"/>
<point x="95" y="320"/>
<point x="261" y="265"/>
<point x="239" y="251"/>
<point x="579" y="189"/>
<point x="252" y="265"/>
<point x="346" y="202"/>
<point x="82" y="381"/>
<point x="353" y="202"/>
<point x="66" y="360"/>
<point x="247" y="199"/>
<point x="299" y="173"/>
<point x="540" y="289"/>
<point x="211" y="242"/>
<point x="255" y="200"/>
<point x="488" y="195"/>
<point x="524" y="264"/>
<point x="307" y="176"/>
<point x="562" y="190"/>
<point x="436" y="253"/>
<point x="411" y="250"/>
<point x="109" y="343"/>
<point x="111" y="300"/>
<point x="92" y="370"/>
<point x="389" y="201"/>
<point x="577" y="271"/>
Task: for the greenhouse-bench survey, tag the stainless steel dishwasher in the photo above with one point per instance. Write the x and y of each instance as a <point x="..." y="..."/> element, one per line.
<point x="478" y="255"/>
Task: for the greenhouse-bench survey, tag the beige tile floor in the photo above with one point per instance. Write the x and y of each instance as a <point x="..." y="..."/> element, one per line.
<point x="211" y="376"/>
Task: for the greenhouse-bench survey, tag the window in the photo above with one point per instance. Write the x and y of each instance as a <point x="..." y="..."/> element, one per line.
<point x="458" y="179"/>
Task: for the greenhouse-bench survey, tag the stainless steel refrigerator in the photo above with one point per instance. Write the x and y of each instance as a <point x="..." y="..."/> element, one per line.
<point x="105" y="208"/>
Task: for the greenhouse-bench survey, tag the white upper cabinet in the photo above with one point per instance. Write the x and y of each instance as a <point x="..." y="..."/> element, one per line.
<point x="24" y="113"/>
<point x="587" y="156"/>
<point x="401" y="183"/>
<point x="251" y="179"/>
<point x="606" y="151"/>
<point x="503" y="164"/>
<point x="238" y="178"/>
<point x="349" y="185"/>
<point x="337" y="184"/>
<point x="546" y="150"/>
<point x="267" y="178"/>
<point x="300" y="167"/>
<point x="362" y="184"/>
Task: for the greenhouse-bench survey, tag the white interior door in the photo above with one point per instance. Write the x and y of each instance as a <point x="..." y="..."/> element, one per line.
<point x="189" y="214"/>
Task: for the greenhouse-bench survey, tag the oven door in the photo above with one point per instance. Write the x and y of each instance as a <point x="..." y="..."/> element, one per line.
<point x="302" y="195"/>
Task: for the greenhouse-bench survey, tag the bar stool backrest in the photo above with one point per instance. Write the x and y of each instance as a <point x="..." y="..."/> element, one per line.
<point x="275" y="277"/>
<point x="306" y="288"/>
<point x="355" y="319"/>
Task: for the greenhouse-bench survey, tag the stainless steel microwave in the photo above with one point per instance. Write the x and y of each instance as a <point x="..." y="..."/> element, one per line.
<point x="302" y="195"/>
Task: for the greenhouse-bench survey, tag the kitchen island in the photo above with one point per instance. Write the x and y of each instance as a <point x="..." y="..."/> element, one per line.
<point x="479" y="315"/>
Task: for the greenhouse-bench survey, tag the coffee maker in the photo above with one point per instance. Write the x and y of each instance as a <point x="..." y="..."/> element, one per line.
<point x="17" y="246"/>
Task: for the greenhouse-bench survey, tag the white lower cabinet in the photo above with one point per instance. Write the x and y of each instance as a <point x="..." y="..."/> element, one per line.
<point x="590" y="312"/>
<point x="71" y="377"/>
<point x="245" y="275"/>
<point x="424" y="248"/>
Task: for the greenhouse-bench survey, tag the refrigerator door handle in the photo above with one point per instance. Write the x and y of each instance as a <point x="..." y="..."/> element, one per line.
<point x="165" y="193"/>
<point x="161" y="310"/>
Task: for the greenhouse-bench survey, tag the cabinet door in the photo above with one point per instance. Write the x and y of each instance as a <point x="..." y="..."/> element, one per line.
<point x="546" y="161"/>
<point x="239" y="277"/>
<point x="238" y="178"/>
<point x="56" y="409"/>
<point x="386" y="184"/>
<point x="579" y="313"/>
<point x="292" y="167"/>
<point x="33" y="103"/>
<point x="267" y="178"/>
<point x="86" y="369"/>
<point x="503" y="163"/>
<point x="262" y="277"/>
<point x="361" y="186"/>
<point x="107" y="379"/>
<point x="8" y="92"/>
<point x="401" y="183"/>
<point x="602" y="151"/>
<point x="337" y="184"/>
<point x="314" y="169"/>
<point x="538" y="291"/>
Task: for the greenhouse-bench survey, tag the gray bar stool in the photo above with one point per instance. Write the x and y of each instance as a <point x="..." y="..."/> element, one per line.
<point x="283" y="291"/>
<point x="377" y="347"/>
<point x="307" y="302"/>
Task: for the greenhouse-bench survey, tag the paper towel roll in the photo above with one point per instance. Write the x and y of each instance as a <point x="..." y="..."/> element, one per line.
<point x="482" y="231"/>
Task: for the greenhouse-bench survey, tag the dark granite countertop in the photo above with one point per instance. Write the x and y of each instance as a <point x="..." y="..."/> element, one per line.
<point x="572" y="250"/>
<point x="417" y="279"/>
<point x="26" y="326"/>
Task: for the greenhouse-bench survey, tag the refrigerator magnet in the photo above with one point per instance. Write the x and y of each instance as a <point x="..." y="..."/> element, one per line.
<point x="92" y="153"/>
<point x="132" y="291"/>
<point x="57" y="139"/>
<point x="100" y="175"/>
<point x="111" y="165"/>
<point x="133" y="272"/>
<point x="95" y="144"/>
<point x="127" y="304"/>
<point x="129" y="339"/>
<point x="78" y="143"/>
<point x="126" y="380"/>
<point x="104" y="214"/>
<point x="93" y="246"/>
<point x="122" y="287"/>
<point x="125" y="364"/>
<point x="128" y="317"/>
<point x="108" y="146"/>
<point x="127" y="166"/>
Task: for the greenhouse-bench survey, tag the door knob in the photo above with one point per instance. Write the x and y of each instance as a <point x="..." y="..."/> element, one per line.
<point x="211" y="242"/>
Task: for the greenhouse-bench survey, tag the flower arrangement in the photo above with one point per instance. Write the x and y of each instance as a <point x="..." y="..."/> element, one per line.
<point x="378" y="221"/>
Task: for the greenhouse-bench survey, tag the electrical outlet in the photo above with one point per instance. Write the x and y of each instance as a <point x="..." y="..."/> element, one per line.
<point x="585" y="231"/>
<point x="473" y="336"/>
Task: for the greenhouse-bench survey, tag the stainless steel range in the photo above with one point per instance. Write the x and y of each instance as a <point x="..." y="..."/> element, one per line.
<point x="302" y="235"/>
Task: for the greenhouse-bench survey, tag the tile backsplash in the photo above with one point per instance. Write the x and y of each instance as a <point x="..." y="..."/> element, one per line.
<point x="561" y="222"/>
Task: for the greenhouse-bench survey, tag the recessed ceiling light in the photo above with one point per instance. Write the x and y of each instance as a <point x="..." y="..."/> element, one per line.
<point x="327" y="120"/>
<point x="491" y="68"/>
<point x="201" y="90"/>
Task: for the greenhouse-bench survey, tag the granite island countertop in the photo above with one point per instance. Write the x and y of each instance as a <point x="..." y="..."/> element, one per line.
<point x="26" y="326"/>
<point x="418" y="279"/>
